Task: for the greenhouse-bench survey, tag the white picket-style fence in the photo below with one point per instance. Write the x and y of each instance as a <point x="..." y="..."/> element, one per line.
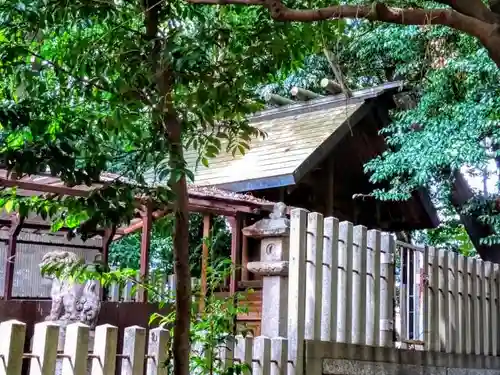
<point x="75" y="358"/>
<point x="140" y="353"/>
<point x="163" y="285"/>
<point x="341" y="281"/>
<point x="448" y="302"/>
<point x="341" y="287"/>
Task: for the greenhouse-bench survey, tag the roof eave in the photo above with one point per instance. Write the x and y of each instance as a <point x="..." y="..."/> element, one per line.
<point x="259" y="183"/>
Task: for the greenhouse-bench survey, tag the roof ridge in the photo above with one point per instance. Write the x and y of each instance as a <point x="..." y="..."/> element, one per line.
<point x="325" y="102"/>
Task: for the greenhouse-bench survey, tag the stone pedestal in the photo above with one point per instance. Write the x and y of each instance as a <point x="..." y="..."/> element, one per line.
<point x="273" y="267"/>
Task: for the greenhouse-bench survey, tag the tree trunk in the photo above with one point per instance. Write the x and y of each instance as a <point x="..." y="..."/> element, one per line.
<point x="166" y="122"/>
<point x="181" y="347"/>
<point x="461" y="194"/>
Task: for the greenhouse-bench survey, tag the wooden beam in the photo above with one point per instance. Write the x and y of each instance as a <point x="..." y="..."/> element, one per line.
<point x="10" y="259"/>
<point x="236" y="235"/>
<point x="138" y="226"/>
<point x="147" y="219"/>
<point x="277" y="99"/>
<point x="303" y="94"/>
<point x="30" y="224"/>
<point x="244" y="254"/>
<point x="43" y="188"/>
<point x="219" y="205"/>
<point x="56" y="244"/>
<point x="225" y="207"/>
<point x="204" y="260"/>
<point x="206" y="206"/>
<point x="330" y="86"/>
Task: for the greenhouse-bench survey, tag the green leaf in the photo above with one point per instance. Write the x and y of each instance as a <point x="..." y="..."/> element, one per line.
<point x="9" y="206"/>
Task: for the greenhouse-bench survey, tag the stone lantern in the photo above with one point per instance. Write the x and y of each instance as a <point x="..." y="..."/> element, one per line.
<point x="274" y="234"/>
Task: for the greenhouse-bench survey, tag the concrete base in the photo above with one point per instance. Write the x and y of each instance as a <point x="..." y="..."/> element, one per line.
<point x="325" y="358"/>
<point x="349" y="367"/>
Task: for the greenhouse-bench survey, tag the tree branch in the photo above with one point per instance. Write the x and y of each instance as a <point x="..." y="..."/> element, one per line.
<point x="488" y="33"/>
<point x="473" y="8"/>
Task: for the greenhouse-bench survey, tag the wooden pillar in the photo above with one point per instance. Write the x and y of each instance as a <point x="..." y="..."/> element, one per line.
<point x="109" y="233"/>
<point x="235" y="251"/>
<point x="147" y="224"/>
<point x="10" y="259"/>
<point x="282" y="191"/>
<point x="244" y="254"/>
<point x="204" y="260"/>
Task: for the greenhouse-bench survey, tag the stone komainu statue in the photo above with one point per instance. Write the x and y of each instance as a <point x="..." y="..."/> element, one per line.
<point x="72" y="301"/>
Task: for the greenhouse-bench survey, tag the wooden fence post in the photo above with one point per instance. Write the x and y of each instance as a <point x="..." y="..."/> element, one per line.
<point x="451" y="279"/>
<point x="127" y="291"/>
<point x="114" y="292"/>
<point x="358" y="334"/>
<point x="76" y="347"/>
<point x="227" y="353"/>
<point x="457" y="292"/>
<point x="158" y="351"/>
<point x="104" y="355"/>
<point x="134" y="350"/>
<point x="469" y="306"/>
<point x="476" y="306"/>
<point x="443" y="300"/>
<point x="462" y="296"/>
<point x="262" y="356"/>
<point x="172" y="281"/>
<point x="485" y="309"/>
<point x="12" y="335"/>
<point x="404" y="289"/>
<point x="114" y="289"/>
<point x="243" y="352"/>
<point x="373" y="288"/>
<point x="279" y="355"/>
<point x="329" y="307"/>
<point x="314" y="279"/>
<point x="296" y="290"/>
<point x="387" y="290"/>
<point x="344" y="286"/>
<point x="45" y="340"/>
<point x="432" y="298"/>
<point x="494" y="306"/>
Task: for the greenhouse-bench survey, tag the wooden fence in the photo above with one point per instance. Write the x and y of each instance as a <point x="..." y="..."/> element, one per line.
<point x="339" y="288"/>
<point x="448" y="302"/>
<point x="343" y="283"/>
<point x="163" y="286"/>
<point x="340" y="280"/>
<point x="75" y="358"/>
<point x="141" y="353"/>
